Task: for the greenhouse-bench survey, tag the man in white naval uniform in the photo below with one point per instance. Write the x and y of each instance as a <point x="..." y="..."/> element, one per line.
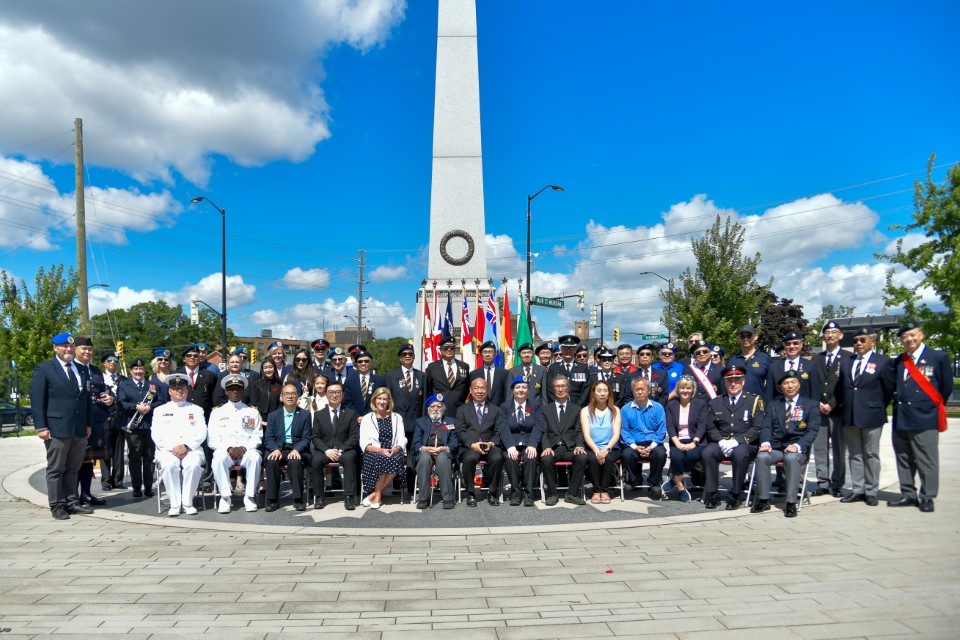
<point x="235" y="436"/>
<point x="179" y="431"/>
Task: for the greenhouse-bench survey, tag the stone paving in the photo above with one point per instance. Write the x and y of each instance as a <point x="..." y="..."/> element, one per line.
<point x="837" y="571"/>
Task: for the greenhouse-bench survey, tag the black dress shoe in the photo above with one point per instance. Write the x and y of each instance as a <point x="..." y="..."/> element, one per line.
<point x="791" y="510"/>
<point x="319" y="503"/>
<point x="821" y="491"/>
<point x="92" y="499"/>
<point x="733" y="502"/>
<point x="59" y="513"/>
<point x="902" y="502"/>
<point x="551" y="501"/>
<point x="871" y="501"/>
<point x="493" y="501"/>
<point x="137" y="493"/>
<point x="515" y="499"/>
<point x="760" y="506"/>
<point x="836" y="492"/>
<point x="118" y="485"/>
<point x="572" y="499"/>
<point x="926" y="505"/>
<point x="853" y="497"/>
<point x="149" y="493"/>
<point x="299" y="506"/>
<point x="448" y="504"/>
<point x="471" y="500"/>
<point x="423" y="504"/>
<point x="79" y="508"/>
<point x="528" y="501"/>
<point x="711" y="501"/>
<point x="272" y="506"/>
<point x="348" y="503"/>
<point x="106" y="486"/>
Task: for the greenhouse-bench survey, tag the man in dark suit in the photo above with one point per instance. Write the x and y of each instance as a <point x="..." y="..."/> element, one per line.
<point x="111" y="478"/>
<point x="448" y="377"/>
<point x="705" y="374"/>
<point x="520" y="431"/>
<point x="367" y="380"/>
<point x="562" y="442"/>
<point x="140" y="397"/>
<point x="103" y="401"/>
<point x="789" y="429"/>
<point x="477" y="435"/>
<point x="658" y="379"/>
<point x="435" y="446"/>
<point x="348" y="377"/>
<point x="61" y="413"/>
<point x="865" y="389"/>
<point x="287" y="441"/>
<point x="576" y="373"/>
<point x="828" y="365"/>
<point x="496" y="377"/>
<point x="335" y="436"/>
<point x="733" y="433"/>
<point x="924" y="382"/>
<point x="809" y="378"/>
<point x="534" y="373"/>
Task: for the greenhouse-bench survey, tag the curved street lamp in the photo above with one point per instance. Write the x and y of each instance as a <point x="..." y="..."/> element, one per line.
<point x="529" y="255"/>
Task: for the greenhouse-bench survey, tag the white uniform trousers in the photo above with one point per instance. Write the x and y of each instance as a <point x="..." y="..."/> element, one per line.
<point x="221" y="471"/>
<point x="181" y="477"/>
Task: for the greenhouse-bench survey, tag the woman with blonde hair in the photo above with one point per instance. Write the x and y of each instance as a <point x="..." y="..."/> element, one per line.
<point x="382" y="441"/>
<point x="600" y="423"/>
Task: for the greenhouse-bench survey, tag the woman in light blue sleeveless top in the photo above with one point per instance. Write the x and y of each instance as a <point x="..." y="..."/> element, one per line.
<point x="600" y="423"/>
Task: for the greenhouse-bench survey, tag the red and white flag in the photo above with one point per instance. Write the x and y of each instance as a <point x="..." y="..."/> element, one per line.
<point x="466" y="339"/>
<point x="427" y="351"/>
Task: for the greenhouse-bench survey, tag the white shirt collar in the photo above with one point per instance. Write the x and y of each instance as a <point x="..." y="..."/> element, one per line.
<point x="916" y="354"/>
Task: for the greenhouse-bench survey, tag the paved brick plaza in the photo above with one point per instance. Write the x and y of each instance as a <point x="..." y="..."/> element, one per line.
<point x="837" y="571"/>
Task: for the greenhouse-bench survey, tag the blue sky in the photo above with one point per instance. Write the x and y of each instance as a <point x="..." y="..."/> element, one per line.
<point x="312" y="126"/>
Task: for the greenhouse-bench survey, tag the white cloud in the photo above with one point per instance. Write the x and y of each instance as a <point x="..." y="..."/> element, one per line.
<point x="309" y="320"/>
<point x="207" y="289"/>
<point x="385" y="273"/>
<point x="210" y="290"/>
<point x="162" y="87"/>
<point x="910" y="241"/>
<point x="298" y="278"/>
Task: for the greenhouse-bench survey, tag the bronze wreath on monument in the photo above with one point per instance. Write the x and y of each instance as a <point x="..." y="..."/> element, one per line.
<point x="456" y="233"/>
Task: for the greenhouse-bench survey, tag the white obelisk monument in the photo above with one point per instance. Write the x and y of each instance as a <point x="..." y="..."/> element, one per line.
<point x="457" y="258"/>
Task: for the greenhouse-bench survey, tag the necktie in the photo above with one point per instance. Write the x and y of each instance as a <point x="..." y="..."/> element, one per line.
<point x="73" y="378"/>
<point x="860" y="362"/>
<point x="733" y="401"/>
<point x="450" y="377"/>
<point x="569" y="368"/>
<point x="408" y="382"/>
<point x="829" y="360"/>
<point x="526" y="373"/>
<point x="480" y="413"/>
<point x="789" y="409"/>
<point x="520" y="414"/>
<point x="562" y="408"/>
<point x="363" y="386"/>
<point x="645" y="374"/>
<point x="790" y="366"/>
<point x="191" y="378"/>
<point x="489" y="378"/>
<point x="336" y="416"/>
<point x="340" y="378"/>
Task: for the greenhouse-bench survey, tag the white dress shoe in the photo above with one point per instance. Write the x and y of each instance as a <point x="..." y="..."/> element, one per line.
<point x="190" y="511"/>
<point x="224" y="506"/>
<point x="174" y="512"/>
<point x="250" y="504"/>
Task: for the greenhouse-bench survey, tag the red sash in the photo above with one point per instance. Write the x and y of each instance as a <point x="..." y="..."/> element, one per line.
<point x="928" y="389"/>
<point x="704" y="381"/>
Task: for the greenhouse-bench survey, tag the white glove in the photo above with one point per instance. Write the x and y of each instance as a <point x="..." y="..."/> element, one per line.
<point x="727" y="446"/>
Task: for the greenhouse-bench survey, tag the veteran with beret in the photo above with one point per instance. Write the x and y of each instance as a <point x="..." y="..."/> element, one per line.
<point x="435" y="446"/>
<point x="520" y="431"/>
<point x="534" y="372"/>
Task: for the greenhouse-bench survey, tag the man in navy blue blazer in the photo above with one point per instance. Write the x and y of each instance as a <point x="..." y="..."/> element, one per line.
<point x="520" y="430"/>
<point x="924" y="383"/>
<point x="61" y="412"/>
<point x="865" y="388"/>
<point x="367" y="381"/>
<point x="287" y="441"/>
<point x="790" y="426"/>
<point x="349" y="378"/>
<point x="435" y="445"/>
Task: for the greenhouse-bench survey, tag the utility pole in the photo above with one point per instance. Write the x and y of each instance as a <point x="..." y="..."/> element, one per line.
<point x="360" y="284"/>
<point x="82" y="305"/>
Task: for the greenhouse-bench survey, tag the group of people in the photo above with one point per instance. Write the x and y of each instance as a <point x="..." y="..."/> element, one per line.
<point x="318" y="416"/>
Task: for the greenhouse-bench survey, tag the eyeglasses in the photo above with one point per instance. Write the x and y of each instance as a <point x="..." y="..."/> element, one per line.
<point x="860" y="340"/>
<point x="115" y="360"/>
<point x="447" y="348"/>
<point x="289" y="394"/>
<point x="645" y="354"/>
<point x="745" y="336"/>
<point x="666" y="354"/>
<point x="191" y="355"/>
<point x="334" y="392"/>
<point x="715" y="356"/>
<point x="300" y="360"/>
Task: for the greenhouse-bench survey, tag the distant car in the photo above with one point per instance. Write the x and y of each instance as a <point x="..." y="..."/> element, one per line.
<point x="8" y="414"/>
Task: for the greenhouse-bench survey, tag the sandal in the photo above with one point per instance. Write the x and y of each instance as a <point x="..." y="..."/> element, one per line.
<point x="605" y="498"/>
<point x="596" y="499"/>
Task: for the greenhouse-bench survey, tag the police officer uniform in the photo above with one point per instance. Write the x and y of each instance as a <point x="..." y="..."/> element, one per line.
<point x="174" y="424"/>
<point x="617" y="381"/>
<point x="733" y="434"/>
<point x="577" y="372"/>
<point x="235" y="425"/>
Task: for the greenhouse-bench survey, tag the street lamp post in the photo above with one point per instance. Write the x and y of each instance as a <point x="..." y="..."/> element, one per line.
<point x="530" y="255"/>
<point x="669" y="295"/>
<point x="223" y="272"/>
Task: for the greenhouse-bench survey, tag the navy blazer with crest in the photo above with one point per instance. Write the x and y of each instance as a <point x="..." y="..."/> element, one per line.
<point x="514" y="434"/>
<point x="56" y="404"/>
<point x="864" y="400"/>
<point x="800" y="428"/>
<point x="448" y="435"/>
<point x="914" y="409"/>
<point x="409" y="404"/>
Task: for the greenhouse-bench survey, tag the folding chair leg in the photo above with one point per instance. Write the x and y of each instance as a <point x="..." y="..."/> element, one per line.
<point x="753" y="477"/>
<point x="804" y="494"/>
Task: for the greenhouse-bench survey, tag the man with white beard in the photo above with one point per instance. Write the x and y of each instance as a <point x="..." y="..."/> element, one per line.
<point x="435" y="446"/>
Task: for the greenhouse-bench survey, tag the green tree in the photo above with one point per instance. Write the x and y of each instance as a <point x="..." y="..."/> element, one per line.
<point x="781" y="315"/>
<point x="936" y="215"/>
<point x="828" y="312"/>
<point x="28" y="319"/>
<point x="722" y="294"/>
<point x="384" y="352"/>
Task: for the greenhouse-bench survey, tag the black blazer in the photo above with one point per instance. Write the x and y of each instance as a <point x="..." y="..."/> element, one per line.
<point x="421" y="435"/>
<point x="555" y="433"/>
<point x="500" y="382"/>
<point x="915" y="410"/>
<point x="265" y="396"/>
<point x="809" y="379"/>
<point x="129" y="396"/>
<point x="345" y="435"/>
<point x="453" y="397"/>
<point x="374" y="382"/>
<point x="201" y="394"/>
<point x="697" y="419"/>
<point x="829" y="378"/>
<point x="514" y="434"/>
<point x="535" y="392"/>
<point x="470" y="431"/>
<point x="864" y="401"/>
<point x="741" y="422"/>
<point x="659" y="386"/>
<point x="800" y="427"/>
<point x="409" y="404"/>
<point x="300" y="431"/>
<point x="713" y="376"/>
<point x="56" y="404"/>
<point x="579" y="377"/>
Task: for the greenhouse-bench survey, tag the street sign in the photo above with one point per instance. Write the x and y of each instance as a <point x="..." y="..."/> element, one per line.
<point x="553" y="303"/>
<point x="654" y="336"/>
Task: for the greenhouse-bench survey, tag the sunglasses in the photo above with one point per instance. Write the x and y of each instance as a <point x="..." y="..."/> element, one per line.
<point x="364" y="361"/>
<point x="701" y="352"/>
<point x="745" y="336"/>
<point x="666" y="354"/>
<point x="192" y="355"/>
<point x="115" y="360"/>
<point x="300" y="360"/>
<point x="158" y="360"/>
<point x="860" y="340"/>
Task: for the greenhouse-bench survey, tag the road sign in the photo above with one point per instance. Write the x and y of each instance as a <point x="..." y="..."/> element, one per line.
<point x="654" y="336"/>
<point x="553" y="303"/>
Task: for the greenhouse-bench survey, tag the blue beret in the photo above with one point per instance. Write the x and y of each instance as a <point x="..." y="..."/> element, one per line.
<point x="434" y="398"/>
<point x="670" y="346"/>
<point x="239" y="351"/>
<point x="202" y="345"/>
<point x="161" y="353"/>
<point x="518" y="380"/>
<point x="717" y="349"/>
<point x="276" y="343"/>
<point x="62" y="338"/>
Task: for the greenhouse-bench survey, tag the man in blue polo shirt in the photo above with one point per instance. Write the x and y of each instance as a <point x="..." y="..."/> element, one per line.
<point x="643" y="432"/>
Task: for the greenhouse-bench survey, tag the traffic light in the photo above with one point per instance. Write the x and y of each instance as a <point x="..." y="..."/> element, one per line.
<point x="593" y="315"/>
<point x="120" y="349"/>
<point x="616" y="334"/>
<point x="580" y="299"/>
<point x="253" y="356"/>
